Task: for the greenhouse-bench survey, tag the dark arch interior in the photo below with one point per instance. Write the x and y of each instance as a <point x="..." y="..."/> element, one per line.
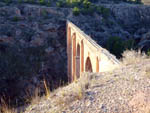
<point x="88" y="65"/>
<point x="78" y="61"/>
<point x="78" y="50"/>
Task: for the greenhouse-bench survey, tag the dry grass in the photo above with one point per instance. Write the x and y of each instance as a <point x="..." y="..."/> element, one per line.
<point x="136" y="63"/>
<point x="147" y="72"/>
<point x="74" y="91"/>
<point x="64" y="96"/>
<point x="47" y="90"/>
<point x="133" y="57"/>
<point x="36" y="97"/>
<point x="5" y="108"/>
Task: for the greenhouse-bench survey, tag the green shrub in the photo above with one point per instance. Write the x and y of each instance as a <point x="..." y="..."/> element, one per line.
<point x="88" y="11"/>
<point x="116" y="45"/>
<point x="104" y="11"/>
<point x="86" y="4"/>
<point x="148" y="52"/>
<point x="76" y="2"/>
<point x="99" y="9"/>
<point x="20" y="1"/>
<point x="30" y="1"/>
<point x="15" y="19"/>
<point x="129" y="44"/>
<point x="76" y="11"/>
<point x="85" y="11"/>
<point x="48" y="3"/>
<point x="44" y="13"/>
<point x="42" y="2"/>
<point x="60" y="3"/>
<point x="73" y="3"/>
<point x="7" y="1"/>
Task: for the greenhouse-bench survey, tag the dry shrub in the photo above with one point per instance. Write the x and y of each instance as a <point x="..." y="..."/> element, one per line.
<point x="147" y="74"/>
<point x="64" y="96"/>
<point x="85" y="80"/>
<point x="47" y="90"/>
<point x="74" y="91"/>
<point x="132" y="57"/>
<point x="5" y="108"/>
<point x="79" y="86"/>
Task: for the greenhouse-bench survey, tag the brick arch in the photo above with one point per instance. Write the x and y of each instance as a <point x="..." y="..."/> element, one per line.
<point x="88" y="65"/>
<point x="78" y="61"/>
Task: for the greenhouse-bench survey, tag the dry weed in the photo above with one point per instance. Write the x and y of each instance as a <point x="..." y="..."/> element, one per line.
<point x="5" y="108"/>
<point x="132" y="57"/>
<point x="147" y="72"/>
<point x="47" y="90"/>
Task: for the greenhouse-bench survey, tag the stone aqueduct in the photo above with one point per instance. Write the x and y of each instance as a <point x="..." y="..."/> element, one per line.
<point x="85" y="55"/>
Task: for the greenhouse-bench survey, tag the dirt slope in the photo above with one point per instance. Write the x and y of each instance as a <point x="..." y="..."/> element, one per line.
<point x="125" y="90"/>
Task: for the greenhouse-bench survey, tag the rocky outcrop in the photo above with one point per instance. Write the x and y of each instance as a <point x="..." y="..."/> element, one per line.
<point x="131" y="17"/>
<point x="35" y="35"/>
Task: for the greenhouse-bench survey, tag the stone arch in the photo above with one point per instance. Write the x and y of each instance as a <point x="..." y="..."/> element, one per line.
<point x="82" y="56"/>
<point x="78" y="61"/>
<point x="97" y="64"/>
<point x="88" y="65"/>
<point x="74" y="57"/>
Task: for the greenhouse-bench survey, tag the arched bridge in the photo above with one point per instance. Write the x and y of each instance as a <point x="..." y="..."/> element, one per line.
<point x="85" y="55"/>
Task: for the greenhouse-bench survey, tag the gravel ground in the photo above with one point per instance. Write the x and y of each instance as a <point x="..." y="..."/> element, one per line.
<point x="125" y="90"/>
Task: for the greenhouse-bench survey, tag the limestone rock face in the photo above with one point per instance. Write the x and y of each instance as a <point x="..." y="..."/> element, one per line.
<point x="132" y="16"/>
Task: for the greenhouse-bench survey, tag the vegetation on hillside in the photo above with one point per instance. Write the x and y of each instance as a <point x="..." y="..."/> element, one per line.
<point x="117" y="45"/>
<point x="79" y="6"/>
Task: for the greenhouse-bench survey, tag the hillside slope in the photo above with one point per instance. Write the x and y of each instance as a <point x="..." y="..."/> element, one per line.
<point x="38" y="38"/>
<point x="125" y="90"/>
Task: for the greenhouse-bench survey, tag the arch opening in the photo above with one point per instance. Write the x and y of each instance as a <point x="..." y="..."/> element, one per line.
<point x="74" y="57"/>
<point x="88" y="65"/>
<point x="78" y="62"/>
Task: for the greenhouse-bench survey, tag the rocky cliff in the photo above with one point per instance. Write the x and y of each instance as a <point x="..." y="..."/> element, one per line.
<point x="32" y="48"/>
<point x="33" y="41"/>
